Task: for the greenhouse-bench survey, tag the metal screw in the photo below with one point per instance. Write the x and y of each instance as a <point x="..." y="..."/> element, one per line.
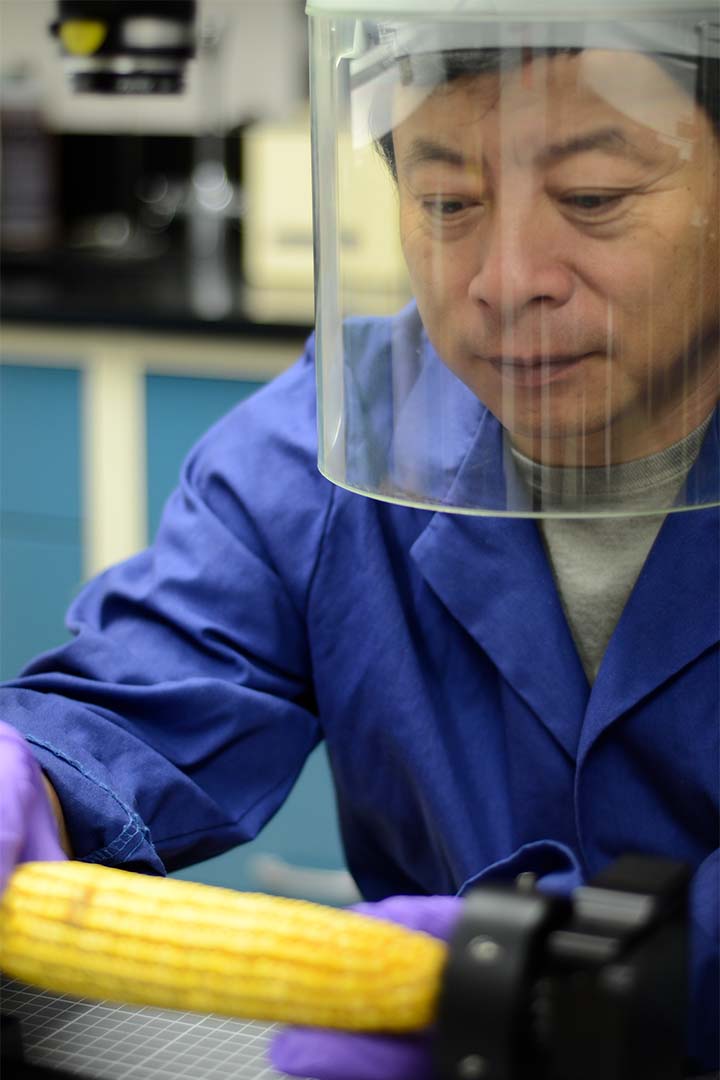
<point x="484" y="949"/>
<point x="472" y="1067"/>
<point x="619" y="978"/>
<point x="526" y="882"/>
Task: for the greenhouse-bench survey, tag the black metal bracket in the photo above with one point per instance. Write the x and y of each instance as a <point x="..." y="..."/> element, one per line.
<point x="590" y="987"/>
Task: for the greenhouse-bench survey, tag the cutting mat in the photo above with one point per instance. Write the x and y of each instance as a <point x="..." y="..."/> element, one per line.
<point x="122" y="1042"/>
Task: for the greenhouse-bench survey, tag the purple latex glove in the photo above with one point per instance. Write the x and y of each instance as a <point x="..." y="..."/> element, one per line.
<point x="335" y="1055"/>
<point x="28" y="829"/>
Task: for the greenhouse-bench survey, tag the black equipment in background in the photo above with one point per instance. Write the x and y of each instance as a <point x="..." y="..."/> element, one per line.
<point x="126" y="46"/>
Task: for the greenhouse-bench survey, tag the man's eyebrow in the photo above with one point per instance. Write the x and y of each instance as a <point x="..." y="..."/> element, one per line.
<point x="612" y="141"/>
<point x="425" y="151"/>
<point x="609" y="140"/>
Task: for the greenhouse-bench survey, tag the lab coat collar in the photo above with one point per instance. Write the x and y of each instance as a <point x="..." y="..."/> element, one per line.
<point x="492" y="574"/>
<point x="670" y="619"/>
<point x="673" y="614"/>
<point x="493" y="577"/>
<point x="464" y="460"/>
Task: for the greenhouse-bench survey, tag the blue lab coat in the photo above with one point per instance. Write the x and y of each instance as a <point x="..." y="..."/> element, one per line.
<point x="429" y="650"/>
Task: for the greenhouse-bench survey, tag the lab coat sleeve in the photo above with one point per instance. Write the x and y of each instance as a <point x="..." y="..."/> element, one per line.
<point x="177" y="719"/>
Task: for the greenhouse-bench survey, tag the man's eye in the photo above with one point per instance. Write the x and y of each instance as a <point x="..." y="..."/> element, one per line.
<point x="590" y="204"/>
<point x="444" y="208"/>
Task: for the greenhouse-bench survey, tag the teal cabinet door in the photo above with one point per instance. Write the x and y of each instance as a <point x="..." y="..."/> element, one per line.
<point x="179" y="410"/>
<point x="40" y="508"/>
<point x="299" y="852"/>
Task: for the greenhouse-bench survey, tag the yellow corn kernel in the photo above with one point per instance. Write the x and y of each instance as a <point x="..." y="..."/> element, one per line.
<point x="87" y="930"/>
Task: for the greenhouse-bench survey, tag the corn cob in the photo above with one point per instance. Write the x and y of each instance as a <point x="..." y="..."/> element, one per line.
<point x="87" y="930"/>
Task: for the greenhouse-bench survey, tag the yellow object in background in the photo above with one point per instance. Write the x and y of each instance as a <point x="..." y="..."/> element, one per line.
<point x="83" y="37"/>
<point x="91" y="931"/>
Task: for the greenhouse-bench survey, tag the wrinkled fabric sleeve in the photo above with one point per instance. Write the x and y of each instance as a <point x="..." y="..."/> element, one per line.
<point x="176" y="720"/>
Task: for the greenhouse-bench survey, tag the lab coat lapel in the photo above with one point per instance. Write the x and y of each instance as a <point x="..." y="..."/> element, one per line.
<point x="492" y="574"/>
<point x="671" y="618"/>
<point x="673" y="613"/>
<point x="494" y="578"/>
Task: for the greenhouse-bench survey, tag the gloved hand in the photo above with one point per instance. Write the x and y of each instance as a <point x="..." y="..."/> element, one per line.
<point x="336" y="1055"/>
<point x="28" y="829"/>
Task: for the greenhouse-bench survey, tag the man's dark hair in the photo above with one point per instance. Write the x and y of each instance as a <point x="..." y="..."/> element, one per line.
<point x="466" y="63"/>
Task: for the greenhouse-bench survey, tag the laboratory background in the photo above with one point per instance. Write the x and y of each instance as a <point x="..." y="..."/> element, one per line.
<point x="156" y="268"/>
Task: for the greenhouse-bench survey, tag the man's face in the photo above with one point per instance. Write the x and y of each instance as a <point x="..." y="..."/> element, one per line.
<point x="560" y="226"/>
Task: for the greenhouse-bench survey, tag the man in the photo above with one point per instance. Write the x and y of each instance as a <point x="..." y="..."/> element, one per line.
<point x="501" y="692"/>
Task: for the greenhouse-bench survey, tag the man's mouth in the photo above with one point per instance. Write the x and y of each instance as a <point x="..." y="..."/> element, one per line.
<point x="535" y="371"/>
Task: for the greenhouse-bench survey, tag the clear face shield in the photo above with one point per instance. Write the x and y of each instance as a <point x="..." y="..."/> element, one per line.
<point x="549" y="192"/>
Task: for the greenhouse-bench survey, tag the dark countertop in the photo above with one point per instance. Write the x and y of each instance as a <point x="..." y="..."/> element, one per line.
<point x="156" y="294"/>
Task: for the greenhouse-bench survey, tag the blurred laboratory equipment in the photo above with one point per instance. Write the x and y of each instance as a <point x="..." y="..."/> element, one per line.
<point x="126" y="46"/>
<point x="28" y="180"/>
<point x="278" y="235"/>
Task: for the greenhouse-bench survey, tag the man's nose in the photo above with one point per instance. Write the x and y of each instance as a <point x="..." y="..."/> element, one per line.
<point x="519" y="265"/>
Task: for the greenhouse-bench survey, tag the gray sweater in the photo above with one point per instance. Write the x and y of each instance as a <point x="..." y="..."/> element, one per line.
<point x="596" y="560"/>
